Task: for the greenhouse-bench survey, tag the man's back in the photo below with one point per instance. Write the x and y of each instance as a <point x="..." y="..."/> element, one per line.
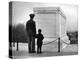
<point x="30" y="26"/>
<point x="31" y="31"/>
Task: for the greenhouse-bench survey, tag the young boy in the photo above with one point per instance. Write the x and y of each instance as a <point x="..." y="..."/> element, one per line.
<point x="40" y="38"/>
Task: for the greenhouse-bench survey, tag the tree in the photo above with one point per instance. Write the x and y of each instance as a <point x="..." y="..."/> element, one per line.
<point x="19" y="33"/>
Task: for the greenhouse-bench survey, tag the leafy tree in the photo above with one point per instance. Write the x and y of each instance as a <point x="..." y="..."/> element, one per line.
<point x="19" y="33"/>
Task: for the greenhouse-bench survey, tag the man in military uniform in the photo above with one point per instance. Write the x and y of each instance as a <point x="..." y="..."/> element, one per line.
<point x="31" y="31"/>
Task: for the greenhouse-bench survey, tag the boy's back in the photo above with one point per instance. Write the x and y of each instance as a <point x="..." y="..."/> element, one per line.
<point x="39" y="39"/>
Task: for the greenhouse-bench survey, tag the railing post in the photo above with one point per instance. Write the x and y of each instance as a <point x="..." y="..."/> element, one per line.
<point x="10" y="49"/>
<point x="17" y="46"/>
<point x="59" y="44"/>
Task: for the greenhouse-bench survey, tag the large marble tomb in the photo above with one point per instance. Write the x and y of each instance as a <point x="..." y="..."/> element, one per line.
<point x="52" y="21"/>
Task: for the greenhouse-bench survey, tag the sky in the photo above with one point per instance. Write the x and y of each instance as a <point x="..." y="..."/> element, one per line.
<point x="21" y="11"/>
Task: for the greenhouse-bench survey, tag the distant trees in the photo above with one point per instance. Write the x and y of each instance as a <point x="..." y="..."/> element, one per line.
<point x="19" y="33"/>
<point x="73" y="36"/>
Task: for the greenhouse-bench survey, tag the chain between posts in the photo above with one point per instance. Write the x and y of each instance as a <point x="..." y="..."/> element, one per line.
<point x="65" y="42"/>
<point x="50" y="42"/>
<point x="55" y="40"/>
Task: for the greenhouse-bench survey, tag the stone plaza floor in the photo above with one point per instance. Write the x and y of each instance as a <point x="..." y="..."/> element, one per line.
<point x="47" y="50"/>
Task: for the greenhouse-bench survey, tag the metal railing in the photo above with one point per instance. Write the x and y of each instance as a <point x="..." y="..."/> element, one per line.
<point x="57" y="39"/>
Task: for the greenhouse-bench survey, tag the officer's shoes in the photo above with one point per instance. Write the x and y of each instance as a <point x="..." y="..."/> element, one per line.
<point x="33" y="51"/>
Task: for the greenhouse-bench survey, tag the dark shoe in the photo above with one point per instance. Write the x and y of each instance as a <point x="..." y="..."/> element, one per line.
<point x="30" y="51"/>
<point x="10" y="57"/>
<point x="33" y="51"/>
<point x="37" y="52"/>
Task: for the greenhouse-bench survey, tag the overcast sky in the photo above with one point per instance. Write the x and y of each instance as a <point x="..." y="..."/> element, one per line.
<point x="21" y="11"/>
